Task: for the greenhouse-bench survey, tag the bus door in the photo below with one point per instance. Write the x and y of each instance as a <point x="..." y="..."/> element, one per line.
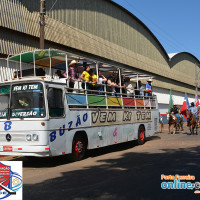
<point x="57" y="138"/>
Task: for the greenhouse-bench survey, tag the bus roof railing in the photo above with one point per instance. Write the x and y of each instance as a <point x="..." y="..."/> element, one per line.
<point x="58" y="59"/>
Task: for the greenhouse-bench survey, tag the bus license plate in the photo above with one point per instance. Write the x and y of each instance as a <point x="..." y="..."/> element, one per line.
<point x="7" y="148"/>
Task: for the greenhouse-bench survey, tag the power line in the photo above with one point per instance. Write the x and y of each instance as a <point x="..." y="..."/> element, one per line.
<point x="167" y="34"/>
<point x="53" y="5"/>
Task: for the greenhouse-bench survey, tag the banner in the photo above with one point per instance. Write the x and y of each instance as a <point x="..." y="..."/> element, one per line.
<point x="196" y="102"/>
<point x="170" y="102"/>
<point x="185" y="106"/>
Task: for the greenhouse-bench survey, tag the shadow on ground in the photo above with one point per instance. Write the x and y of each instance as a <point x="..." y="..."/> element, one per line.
<point x="134" y="175"/>
<point x="38" y="162"/>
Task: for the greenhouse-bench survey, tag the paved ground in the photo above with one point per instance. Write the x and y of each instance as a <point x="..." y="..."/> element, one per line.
<point x="125" y="171"/>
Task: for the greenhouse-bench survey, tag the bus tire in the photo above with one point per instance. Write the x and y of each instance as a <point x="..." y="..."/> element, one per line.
<point x="79" y="146"/>
<point x="141" y="135"/>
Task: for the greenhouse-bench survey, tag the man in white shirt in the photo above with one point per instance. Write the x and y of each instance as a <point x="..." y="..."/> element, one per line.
<point x="194" y="110"/>
<point x="129" y="87"/>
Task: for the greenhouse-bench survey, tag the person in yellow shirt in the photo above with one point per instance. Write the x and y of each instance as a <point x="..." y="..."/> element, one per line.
<point x="93" y="80"/>
<point x="85" y="76"/>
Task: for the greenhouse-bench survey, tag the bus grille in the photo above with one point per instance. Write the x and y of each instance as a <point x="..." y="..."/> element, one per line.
<point x="15" y="137"/>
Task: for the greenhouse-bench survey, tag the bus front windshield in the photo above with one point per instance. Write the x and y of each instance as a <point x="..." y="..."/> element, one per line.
<point x="27" y="101"/>
<point x="4" y="101"/>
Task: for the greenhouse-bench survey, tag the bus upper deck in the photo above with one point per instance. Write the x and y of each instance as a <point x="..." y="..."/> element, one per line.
<point x="44" y="65"/>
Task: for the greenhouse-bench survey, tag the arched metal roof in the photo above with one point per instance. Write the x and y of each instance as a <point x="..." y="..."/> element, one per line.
<point x="139" y="21"/>
<point x="174" y="55"/>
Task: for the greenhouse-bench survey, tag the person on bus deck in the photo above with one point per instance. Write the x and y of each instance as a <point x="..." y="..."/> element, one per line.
<point x="174" y="111"/>
<point x="139" y="90"/>
<point x="15" y="74"/>
<point x="59" y="73"/>
<point x="72" y="73"/>
<point x="194" y="110"/>
<point x="129" y="87"/>
<point x="85" y="76"/>
<point x="111" y="84"/>
<point x="40" y="72"/>
<point x="123" y="85"/>
<point x="148" y="88"/>
<point x="101" y="80"/>
<point x="93" y="80"/>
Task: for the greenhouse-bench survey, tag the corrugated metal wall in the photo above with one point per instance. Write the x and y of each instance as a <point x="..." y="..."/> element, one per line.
<point x="101" y="18"/>
<point x="16" y="16"/>
<point x="185" y="63"/>
<point x="94" y="26"/>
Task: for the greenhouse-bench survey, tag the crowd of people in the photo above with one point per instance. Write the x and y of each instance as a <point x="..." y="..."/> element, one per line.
<point x="91" y="81"/>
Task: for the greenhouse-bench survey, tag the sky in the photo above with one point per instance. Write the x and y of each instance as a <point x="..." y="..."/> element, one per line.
<point x="175" y="23"/>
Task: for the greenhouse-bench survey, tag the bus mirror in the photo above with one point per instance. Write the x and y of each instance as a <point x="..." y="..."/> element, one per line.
<point x="47" y="87"/>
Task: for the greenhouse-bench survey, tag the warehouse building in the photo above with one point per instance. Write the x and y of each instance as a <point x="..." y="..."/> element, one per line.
<point x="103" y="30"/>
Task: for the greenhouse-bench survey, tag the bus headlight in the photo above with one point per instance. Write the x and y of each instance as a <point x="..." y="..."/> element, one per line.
<point x="35" y="137"/>
<point x="28" y="137"/>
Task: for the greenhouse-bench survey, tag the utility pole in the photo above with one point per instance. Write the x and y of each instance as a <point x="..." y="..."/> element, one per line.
<point x="42" y="22"/>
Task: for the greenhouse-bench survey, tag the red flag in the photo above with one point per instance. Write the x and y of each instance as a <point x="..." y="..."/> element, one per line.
<point x="185" y="106"/>
<point x="196" y="102"/>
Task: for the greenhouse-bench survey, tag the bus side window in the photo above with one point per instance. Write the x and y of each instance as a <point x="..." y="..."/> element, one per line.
<point x="55" y="102"/>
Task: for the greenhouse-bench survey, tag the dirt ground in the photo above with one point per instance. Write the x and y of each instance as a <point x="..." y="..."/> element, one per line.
<point x="123" y="171"/>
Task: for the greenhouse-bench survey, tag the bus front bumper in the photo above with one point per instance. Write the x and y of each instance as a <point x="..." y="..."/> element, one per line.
<point x="39" y="151"/>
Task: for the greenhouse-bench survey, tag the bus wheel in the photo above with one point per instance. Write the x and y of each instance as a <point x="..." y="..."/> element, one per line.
<point x="141" y="135"/>
<point x="78" y="148"/>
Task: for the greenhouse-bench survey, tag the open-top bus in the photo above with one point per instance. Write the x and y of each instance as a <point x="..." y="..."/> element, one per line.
<point x="42" y="116"/>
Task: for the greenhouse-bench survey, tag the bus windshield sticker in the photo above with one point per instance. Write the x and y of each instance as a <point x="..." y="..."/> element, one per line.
<point x="28" y="113"/>
<point x="27" y="87"/>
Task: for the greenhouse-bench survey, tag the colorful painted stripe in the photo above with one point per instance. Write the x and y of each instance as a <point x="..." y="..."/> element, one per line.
<point x="139" y="102"/>
<point x="128" y="102"/>
<point x="114" y="101"/>
<point x="96" y="100"/>
<point x="147" y="103"/>
<point x="76" y="99"/>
